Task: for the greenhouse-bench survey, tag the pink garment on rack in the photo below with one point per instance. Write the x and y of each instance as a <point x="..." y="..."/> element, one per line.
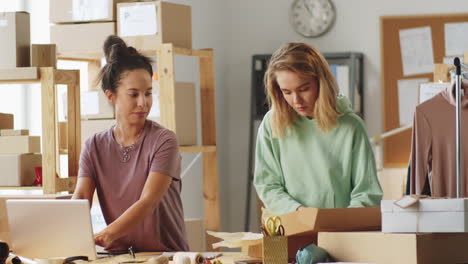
<point x="433" y="145"/>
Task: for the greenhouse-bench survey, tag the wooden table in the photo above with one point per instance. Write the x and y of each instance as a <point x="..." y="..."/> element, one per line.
<point x="225" y="258"/>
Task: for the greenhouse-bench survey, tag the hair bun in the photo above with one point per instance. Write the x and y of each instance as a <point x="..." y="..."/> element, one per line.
<point x="115" y="48"/>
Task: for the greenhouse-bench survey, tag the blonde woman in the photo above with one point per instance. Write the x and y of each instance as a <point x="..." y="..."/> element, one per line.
<point x="312" y="150"/>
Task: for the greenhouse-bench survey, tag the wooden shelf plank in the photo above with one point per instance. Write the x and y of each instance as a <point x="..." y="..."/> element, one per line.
<point x="65" y="184"/>
<point x="20" y="187"/>
<point x="81" y="56"/>
<point x="97" y="55"/>
<point x="20" y="75"/>
<point x="203" y="149"/>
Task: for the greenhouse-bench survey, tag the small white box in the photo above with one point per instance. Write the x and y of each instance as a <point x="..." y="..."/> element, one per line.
<point x="91" y="127"/>
<point x="426" y="216"/>
<point x="93" y="105"/>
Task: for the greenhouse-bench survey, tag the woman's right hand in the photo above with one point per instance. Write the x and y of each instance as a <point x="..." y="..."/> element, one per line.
<point x="104" y="239"/>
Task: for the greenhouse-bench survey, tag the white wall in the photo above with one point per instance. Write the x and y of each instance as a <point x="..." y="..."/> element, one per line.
<point x="261" y="26"/>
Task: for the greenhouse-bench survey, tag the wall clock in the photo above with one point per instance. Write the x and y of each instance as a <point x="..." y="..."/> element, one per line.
<point x="312" y="18"/>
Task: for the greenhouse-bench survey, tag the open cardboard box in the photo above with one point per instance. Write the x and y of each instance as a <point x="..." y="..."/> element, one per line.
<point x="302" y="226"/>
<point x="312" y="220"/>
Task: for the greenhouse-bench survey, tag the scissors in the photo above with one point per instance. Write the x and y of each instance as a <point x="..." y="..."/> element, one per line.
<point x="273" y="226"/>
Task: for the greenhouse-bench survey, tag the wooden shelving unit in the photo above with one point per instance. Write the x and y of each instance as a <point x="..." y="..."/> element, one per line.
<point x="49" y="77"/>
<point x="165" y="59"/>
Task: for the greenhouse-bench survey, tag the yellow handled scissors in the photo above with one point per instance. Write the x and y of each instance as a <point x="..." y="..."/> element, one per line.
<point x="273" y="226"/>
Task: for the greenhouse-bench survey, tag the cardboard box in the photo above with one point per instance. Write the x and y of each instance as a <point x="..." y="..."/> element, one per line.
<point x="66" y="38"/>
<point x="312" y="220"/>
<point x="4" y="230"/>
<point x="44" y="55"/>
<point x="427" y="215"/>
<point x="185" y="112"/>
<point x="19" y="169"/>
<point x="93" y="105"/>
<point x="6" y="121"/>
<point x="146" y="25"/>
<point x="91" y="127"/>
<point x="16" y="40"/>
<point x="294" y="244"/>
<point x="20" y="144"/>
<point x="195" y="234"/>
<point x="13" y="132"/>
<point x="72" y="11"/>
<point x="381" y="248"/>
<point x="393" y="182"/>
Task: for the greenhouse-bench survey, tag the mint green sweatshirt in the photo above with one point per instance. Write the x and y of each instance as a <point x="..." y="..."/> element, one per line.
<point x="309" y="168"/>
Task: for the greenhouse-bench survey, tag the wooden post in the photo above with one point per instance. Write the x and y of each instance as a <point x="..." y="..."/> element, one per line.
<point x="43" y="55"/>
<point x="210" y="159"/>
<point x="441" y="72"/>
<point x="72" y="79"/>
<point x="49" y="121"/>
<point x="165" y="62"/>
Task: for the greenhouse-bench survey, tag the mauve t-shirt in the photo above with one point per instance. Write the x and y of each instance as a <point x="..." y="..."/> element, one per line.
<point x="119" y="185"/>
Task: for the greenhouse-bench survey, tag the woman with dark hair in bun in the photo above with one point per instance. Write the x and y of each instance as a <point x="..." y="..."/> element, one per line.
<point x="135" y="164"/>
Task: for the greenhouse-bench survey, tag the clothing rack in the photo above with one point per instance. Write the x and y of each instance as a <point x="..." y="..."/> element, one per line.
<point x="459" y="92"/>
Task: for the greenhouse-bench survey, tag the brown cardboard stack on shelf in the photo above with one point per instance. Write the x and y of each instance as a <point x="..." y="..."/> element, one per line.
<point x="15" y="36"/>
<point x="19" y="154"/>
<point x="145" y="25"/>
<point x="81" y="26"/>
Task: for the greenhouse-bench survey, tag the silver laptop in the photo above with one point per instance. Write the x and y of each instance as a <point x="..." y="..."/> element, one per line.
<point x="51" y="228"/>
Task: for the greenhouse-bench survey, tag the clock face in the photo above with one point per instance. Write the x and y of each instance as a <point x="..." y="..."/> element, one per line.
<point x="312" y="18"/>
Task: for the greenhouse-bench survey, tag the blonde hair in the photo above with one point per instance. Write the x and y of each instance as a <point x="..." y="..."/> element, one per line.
<point x="306" y="62"/>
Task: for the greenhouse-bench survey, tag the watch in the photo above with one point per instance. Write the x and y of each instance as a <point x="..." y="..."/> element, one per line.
<point x="312" y="18"/>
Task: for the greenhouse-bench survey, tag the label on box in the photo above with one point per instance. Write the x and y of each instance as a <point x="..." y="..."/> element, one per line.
<point x="138" y="20"/>
<point x="90" y="103"/>
<point x="85" y="10"/>
<point x="3" y="22"/>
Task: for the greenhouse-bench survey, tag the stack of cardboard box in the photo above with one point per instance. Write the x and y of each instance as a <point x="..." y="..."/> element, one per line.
<point x="81" y="26"/>
<point x="15" y="36"/>
<point x="143" y="25"/>
<point x="147" y="25"/>
<point x="19" y="154"/>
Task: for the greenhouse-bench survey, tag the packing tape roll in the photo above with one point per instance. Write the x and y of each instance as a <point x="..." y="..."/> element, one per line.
<point x="194" y="258"/>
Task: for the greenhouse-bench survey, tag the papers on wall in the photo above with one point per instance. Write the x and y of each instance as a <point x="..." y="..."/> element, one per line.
<point x="137" y="20"/>
<point x="408" y="98"/>
<point x="416" y="50"/>
<point x="456" y="38"/>
<point x="341" y="73"/>
<point x="429" y="90"/>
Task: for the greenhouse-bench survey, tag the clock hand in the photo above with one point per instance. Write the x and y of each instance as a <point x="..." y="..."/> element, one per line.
<point x="307" y="7"/>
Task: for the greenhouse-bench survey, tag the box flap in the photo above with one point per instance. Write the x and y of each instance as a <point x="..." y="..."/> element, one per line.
<point x="427" y="205"/>
<point x="312" y="220"/>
